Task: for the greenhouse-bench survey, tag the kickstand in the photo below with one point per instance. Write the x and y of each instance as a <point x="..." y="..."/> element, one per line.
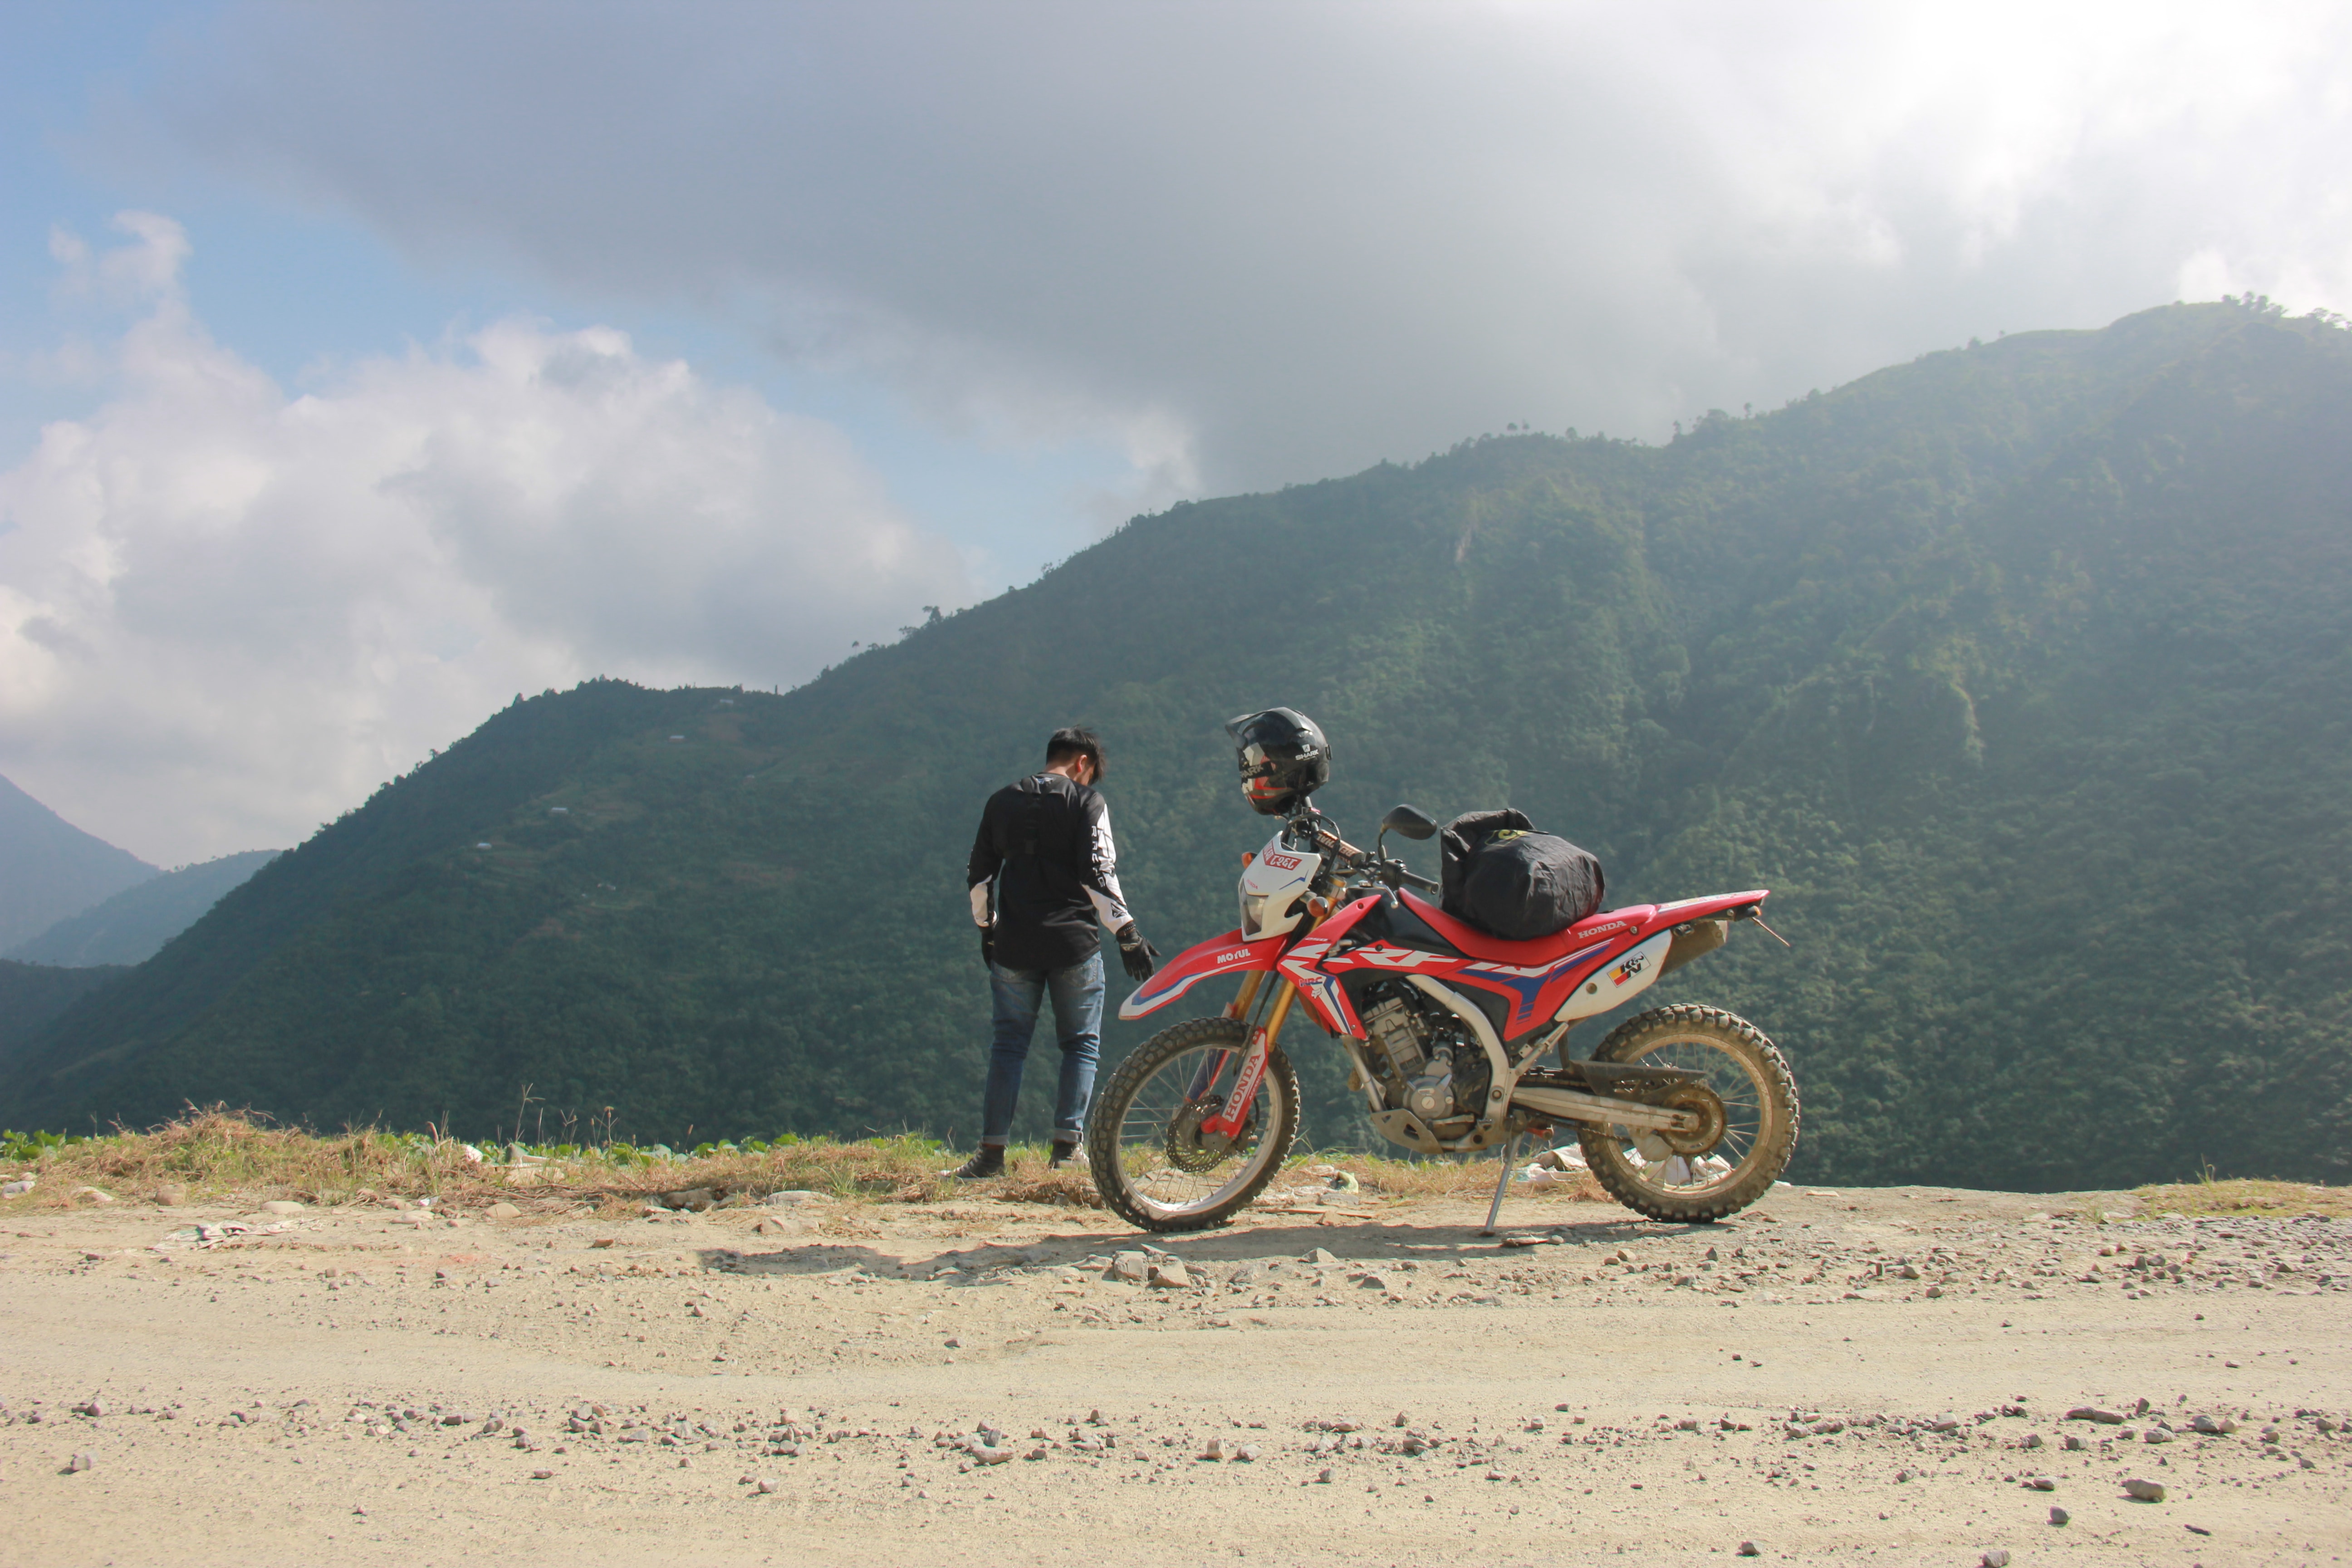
<point x="1510" y="1157"/>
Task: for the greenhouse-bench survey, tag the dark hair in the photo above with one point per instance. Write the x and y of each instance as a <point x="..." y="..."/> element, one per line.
<point x="1068" y="743"/>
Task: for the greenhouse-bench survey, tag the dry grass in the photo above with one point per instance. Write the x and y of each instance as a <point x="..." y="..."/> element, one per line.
<point x="221" y="1155"/>
<point x="2245" y="1197"/>
<point x="218" y="1155"/>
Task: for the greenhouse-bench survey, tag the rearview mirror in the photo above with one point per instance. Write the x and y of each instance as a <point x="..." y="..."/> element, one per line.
<point x="1407" y="820"/>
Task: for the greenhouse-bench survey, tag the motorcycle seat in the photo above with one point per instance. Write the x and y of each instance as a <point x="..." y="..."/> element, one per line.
<point x="1543" y="950"/>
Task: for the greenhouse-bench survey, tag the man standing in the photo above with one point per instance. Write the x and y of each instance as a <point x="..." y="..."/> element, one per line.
<point x="1042" y="872"/>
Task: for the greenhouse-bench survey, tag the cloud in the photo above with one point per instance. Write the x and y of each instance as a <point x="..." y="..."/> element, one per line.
<point x="228" y="613"/>
<point x="1256" y="244"/>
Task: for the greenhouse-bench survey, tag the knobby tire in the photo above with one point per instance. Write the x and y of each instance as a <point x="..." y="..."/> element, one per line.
<point x="1761" y="1163"/>
<point x="1278" y="1090"/>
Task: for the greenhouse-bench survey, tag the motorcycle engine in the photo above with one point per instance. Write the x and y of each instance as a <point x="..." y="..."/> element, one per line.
<point x="1425" y="1066"/>
<point x="1397" y="1026"/>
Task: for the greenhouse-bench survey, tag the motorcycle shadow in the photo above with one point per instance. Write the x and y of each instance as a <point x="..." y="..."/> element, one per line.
<point x="1372" y="1237"/>
<point x="1361" y="1240"/>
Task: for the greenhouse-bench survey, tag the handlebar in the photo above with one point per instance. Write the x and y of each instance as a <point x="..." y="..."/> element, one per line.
<point x="1391" y="872"/>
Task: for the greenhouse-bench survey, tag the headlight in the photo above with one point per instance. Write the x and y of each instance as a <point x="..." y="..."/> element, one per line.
<point x="1253" y="913"/>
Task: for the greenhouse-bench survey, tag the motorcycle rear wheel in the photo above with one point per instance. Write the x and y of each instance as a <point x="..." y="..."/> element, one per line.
<point x="1746" y="1076"/>
<point x="1150" y="1164"/>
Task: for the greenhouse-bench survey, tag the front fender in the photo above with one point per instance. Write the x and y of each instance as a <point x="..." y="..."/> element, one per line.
<point x="1226" y="955"/>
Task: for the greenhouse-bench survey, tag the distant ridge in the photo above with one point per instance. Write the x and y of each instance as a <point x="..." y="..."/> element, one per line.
<point x="49" y="869"/>
<point x="132" y="926"/>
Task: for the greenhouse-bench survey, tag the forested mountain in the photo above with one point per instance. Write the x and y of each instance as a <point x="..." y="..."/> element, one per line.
<point x="49" y="869"/>
<point x="2019" y="672"/>
<point x="129" y="927"/>
<point x="33" y="994"/>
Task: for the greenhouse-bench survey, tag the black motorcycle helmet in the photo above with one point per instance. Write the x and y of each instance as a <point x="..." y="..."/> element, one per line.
<point x="1283" y="758"/>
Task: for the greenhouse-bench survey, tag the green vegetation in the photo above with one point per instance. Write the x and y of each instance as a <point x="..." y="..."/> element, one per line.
<point x="32" y="995"/>
<point x="2022" y="674"/>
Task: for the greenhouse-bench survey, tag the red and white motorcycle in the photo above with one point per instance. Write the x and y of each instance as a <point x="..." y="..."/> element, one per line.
<point x="1684" y="1112"/>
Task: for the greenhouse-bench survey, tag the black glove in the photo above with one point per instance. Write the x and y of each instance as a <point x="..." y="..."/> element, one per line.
<point x="988" y="945"/>
<point x="1136" y="952"/>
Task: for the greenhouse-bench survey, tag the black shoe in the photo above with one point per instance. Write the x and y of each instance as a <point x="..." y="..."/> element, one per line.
<point x="989" y="1161"/>
<point x="1065" y="1155"/>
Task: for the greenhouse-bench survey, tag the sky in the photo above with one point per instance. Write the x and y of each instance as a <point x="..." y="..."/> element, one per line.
<point x="363" y="366"/>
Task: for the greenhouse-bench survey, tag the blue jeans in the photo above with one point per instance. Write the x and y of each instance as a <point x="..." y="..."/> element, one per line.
<point x="1077" y="1028"/>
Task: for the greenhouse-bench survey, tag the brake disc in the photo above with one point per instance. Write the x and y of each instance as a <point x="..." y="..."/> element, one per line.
<point x="1189" y="1149"/>
<point x="1706" y="1106"/>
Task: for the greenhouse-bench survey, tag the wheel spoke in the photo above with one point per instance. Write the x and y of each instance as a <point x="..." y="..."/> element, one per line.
<point x="1642" y="1162"/>
<point x="1167" y="1160"/>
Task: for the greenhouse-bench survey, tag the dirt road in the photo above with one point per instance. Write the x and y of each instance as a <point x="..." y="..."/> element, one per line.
<point x="1883" y="1375"/>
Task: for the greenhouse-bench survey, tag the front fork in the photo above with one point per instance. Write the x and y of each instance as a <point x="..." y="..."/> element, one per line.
<point x="1228" y="1121"/>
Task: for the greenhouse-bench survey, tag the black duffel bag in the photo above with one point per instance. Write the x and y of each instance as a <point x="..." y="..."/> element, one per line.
<point x="1508" y="880"/>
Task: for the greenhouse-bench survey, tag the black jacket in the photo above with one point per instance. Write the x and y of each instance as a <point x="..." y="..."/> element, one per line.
<point x="1044" y="846"/>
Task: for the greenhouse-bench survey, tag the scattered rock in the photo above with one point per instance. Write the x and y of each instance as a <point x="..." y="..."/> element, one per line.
<point x="1134" y="1266"/>
<point x="1323" y="1477"/>
<point x="1319" y="1255"/>
<point x="2093" y="1412"/>
<point x="791" y="1199"/>
<point x="93" y="1195"/>
<point x="1995" y="1557"/>
<point x="77" y="1464"/>
<point x="765" y="1485"/>
<point x="2059" y="1515"/>
<point x="503" y="1210"/>
<point x="694" y="1199"/>
<point x="778" y="1225"/>
<point x="93" y="1407"/>
<point x="1747" y="1548"/>
<point x="1170" y="1274"/>
<point x="283" y="1206"/>
<point x="2041" y="1483"/>
<point x="2143" y="1491"/>
<point x="171" y="1194"/>
<point x="543" y="1475"/>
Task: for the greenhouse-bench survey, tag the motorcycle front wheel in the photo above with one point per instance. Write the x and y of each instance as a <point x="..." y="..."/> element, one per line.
<point x="1154" y="1163"/>
<point x="1746" y="1102"/>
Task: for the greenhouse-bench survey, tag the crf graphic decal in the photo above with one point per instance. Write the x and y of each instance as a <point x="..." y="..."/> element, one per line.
<point x="1386" y="957"/>
<point x="1528" y="985"/>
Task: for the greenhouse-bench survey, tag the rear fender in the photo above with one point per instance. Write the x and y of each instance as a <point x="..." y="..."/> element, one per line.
<point x="1713" y="907"/>
<point x="1226" y="955"/>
